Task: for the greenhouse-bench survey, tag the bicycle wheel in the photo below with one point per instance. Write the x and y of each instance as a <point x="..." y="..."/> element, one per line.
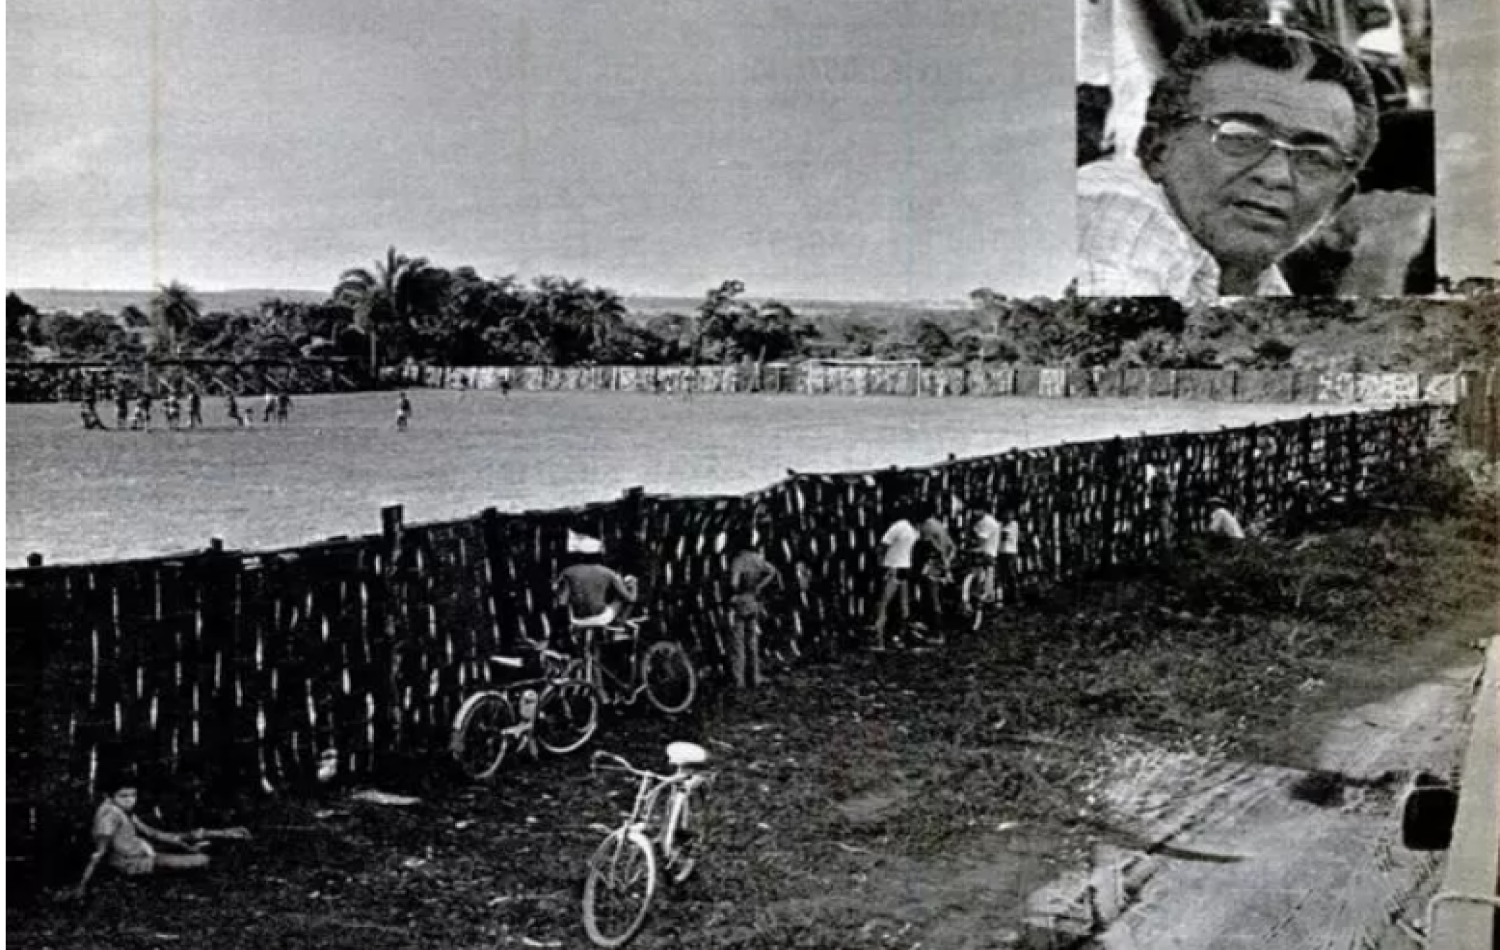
<point x="671" y="682"/>
<point x="689" y="837"/>
<point x="566" y="716"/>
<point x="482" y="734"/>
<point x="971" y="598"/>
<point x="619" y="888"/>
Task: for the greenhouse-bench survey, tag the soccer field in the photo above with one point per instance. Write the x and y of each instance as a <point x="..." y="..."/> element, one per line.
<point x="81" y="496"/>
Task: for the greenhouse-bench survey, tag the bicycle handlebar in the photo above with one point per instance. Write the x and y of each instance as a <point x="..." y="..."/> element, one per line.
<point x="615" y="763"/>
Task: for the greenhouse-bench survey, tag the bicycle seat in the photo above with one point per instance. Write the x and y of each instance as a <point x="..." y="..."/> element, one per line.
<point x="680" y="754"/>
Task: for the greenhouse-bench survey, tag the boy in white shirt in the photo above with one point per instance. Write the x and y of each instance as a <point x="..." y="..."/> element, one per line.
<point x="986" y="537"/>
<point x="896" y="547"/>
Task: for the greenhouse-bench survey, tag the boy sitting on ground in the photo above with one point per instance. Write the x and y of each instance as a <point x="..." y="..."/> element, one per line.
<point x="120" y="836"/>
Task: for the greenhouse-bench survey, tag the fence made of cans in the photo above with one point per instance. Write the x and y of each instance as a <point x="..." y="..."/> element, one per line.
<point x="235" y="670"/>
<point x="909" y="379"/>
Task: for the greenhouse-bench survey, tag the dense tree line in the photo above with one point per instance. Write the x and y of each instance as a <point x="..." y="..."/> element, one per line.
<point x="406" y="308"/>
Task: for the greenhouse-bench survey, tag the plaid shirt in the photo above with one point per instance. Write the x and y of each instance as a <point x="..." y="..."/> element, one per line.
<point x="1131" y="244"/>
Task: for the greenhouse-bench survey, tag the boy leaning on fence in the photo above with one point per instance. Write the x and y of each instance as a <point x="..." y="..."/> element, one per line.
<point x="596" y="596"/>
<point x="896" y="547"/>
<point x="934" y="554"/>
<point x="750" y="574"/>
<point x="984" y="542"/>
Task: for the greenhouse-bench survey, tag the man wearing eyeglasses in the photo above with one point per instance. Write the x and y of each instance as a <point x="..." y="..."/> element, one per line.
<point x="1253" y="138"/>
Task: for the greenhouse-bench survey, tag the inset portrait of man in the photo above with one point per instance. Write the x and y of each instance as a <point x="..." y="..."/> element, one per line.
<point x="1252" y="143"/>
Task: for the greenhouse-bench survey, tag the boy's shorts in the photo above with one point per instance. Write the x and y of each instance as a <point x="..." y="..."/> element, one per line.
<point x="746" y="606"/>
<point x="133" y="864"/>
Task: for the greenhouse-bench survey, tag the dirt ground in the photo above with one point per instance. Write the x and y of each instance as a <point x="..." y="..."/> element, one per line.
<point x="1206" y="757"/>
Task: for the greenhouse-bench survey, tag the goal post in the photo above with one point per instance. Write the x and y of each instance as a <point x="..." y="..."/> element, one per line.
<point x="863" y="377"/>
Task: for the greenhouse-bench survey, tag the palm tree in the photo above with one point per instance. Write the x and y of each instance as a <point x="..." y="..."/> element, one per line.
<point x="603" y="313"/>
<point x="174" y="310"/>
<point x="575" y="319"/>
<point x="718" y="315"/>
<point x="390" y="294"/>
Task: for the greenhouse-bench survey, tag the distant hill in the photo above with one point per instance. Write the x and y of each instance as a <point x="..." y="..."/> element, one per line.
<point x="113" y="301"/>
<point x="871" y="309"/>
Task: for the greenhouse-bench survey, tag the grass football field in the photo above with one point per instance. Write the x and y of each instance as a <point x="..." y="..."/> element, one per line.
<point x="84" y="496"/>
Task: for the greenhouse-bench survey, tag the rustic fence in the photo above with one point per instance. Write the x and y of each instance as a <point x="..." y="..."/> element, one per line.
<point x="58" y="381"/>
<point x="74" y="381"/>
<point x="1478" y="413"/>
<point x="812" y="378"/>
<point x="236" y="670"/>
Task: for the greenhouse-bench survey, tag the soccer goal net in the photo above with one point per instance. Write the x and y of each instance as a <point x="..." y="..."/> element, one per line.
<point x="863" y="377"/>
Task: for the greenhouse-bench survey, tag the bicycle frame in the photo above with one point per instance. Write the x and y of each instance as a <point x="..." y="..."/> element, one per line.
<point x="522" y="698"/>
<point x="679" y="786"/>
<point x="612" y="689"/>
<point x="524" y="731"/>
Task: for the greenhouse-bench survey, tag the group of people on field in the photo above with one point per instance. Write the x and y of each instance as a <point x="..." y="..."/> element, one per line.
<point x="181" y="410"/>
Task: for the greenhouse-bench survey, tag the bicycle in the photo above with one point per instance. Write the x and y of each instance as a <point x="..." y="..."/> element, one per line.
<point x="558" y="712"/>
<point x="656" y="838"/>
<point x="976" y="588"/>
<point x="661" y="670"/>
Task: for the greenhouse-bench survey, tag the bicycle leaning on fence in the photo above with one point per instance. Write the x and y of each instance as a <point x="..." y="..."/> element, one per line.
<point x="557" y="711"/>
<point x="665" y="834"/>
<point x="659" y="669"/>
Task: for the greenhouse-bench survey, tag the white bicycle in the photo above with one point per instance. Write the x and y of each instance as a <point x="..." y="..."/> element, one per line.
<point x="664" y="834"/>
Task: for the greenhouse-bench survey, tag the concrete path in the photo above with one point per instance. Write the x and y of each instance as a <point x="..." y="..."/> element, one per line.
<point x="1195" y="853"/>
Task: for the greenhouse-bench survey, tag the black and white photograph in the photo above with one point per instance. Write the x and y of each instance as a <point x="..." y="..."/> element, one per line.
<point x="841" y="475"/>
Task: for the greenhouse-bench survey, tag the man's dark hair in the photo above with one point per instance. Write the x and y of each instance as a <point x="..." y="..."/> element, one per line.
<point x="1269" y="47"/>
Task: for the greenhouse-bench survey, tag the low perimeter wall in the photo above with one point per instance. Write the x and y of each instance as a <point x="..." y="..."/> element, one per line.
<point x="234" y="670"/>
<point x="1283" y="386"/>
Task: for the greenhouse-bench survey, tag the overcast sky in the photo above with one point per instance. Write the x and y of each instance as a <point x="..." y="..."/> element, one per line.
<point x="839" y="148"/>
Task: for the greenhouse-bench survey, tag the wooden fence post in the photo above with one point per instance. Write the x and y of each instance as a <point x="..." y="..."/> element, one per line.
<point x="391" y="530"/>
<point x="1248" y="497"/>
<point x="1110" y="515"/>
<point x="1304" y="450"/>
<point x="1353" y="455"/>
<point x="633" y="557"/>
<point x="489" y="527"/>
